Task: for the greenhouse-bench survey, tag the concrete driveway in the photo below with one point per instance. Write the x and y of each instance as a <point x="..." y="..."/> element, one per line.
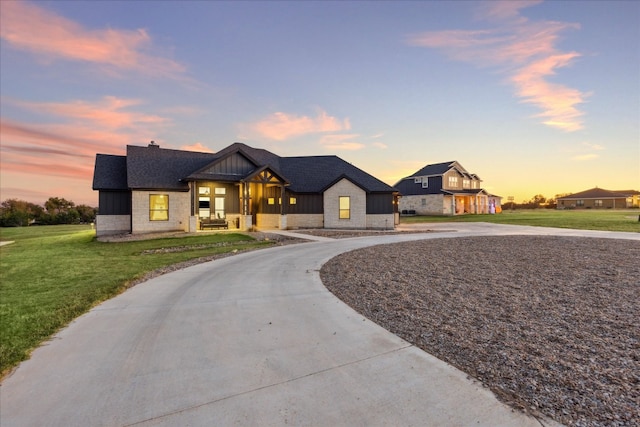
<point x="250" y="340"/>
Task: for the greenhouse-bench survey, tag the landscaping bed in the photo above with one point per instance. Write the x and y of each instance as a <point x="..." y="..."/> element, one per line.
<point x="549" y="324"/>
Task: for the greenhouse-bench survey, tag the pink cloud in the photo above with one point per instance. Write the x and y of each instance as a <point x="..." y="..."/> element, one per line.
<point x="281" y="126"/>
<point x="341" y="142"/>
<point x="28" y="27"/>
<point x="198" y="146"/>
<point x="108" y="122"/>
<point x="108" y="113"/>
<point x="65" y="149"/>
<point x="28" y="165"/>
<point x="500" y="10"/>
<point x="524" y="50"/>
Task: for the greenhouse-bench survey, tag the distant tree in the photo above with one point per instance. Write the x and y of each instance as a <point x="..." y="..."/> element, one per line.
<point x="538" y="200"/>
<point x="19" y="213"/>
<point x="86" y="213"/>
<point x="56" y="205"/>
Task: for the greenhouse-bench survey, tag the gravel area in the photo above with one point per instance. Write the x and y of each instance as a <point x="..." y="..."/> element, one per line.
<point x="550" y="324"/>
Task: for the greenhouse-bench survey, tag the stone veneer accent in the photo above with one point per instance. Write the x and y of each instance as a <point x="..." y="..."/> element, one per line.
<point x="179" y="210"/>
<point x="266" y="221"/>
<point x="358" y="206"/>
<point x="435" y="204"/>
<point x="295" y="221"/>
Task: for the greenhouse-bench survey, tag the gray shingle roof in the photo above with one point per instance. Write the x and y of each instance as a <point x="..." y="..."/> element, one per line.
<point x="110" y="172"/>
<point x="434" y="169"/>
<point x="313" y="174"/>
<point x="155" y="168"/>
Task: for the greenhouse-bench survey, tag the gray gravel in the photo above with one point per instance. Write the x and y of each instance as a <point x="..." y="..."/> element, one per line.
<point x="549" y="324"/>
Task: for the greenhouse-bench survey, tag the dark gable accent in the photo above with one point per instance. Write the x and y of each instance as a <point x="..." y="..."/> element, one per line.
<point x="110" y="173"/>
<point x="235" y="164"/>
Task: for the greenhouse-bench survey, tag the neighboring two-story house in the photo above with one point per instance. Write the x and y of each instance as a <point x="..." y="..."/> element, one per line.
<point x="445" y="189"/>
<point x="152" y="189"/>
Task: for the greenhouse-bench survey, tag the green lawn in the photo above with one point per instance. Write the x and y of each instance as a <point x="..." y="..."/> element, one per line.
<point x="606" y="219"/>
<point x="53" y="274"/>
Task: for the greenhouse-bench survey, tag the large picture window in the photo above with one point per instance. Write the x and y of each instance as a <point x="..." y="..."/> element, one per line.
<point x="345" y="207"/>
<point x="158" y="207"/>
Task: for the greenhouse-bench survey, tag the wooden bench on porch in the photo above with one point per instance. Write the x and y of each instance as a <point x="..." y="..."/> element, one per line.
<point x="213" y="223"/>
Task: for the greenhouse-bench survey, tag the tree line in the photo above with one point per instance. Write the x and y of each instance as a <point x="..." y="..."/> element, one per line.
<point x="56" y="210"/>
<point x="536" y="202"/>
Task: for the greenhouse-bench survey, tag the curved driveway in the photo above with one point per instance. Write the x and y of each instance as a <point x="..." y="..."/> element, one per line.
<point x="250" y="340"/>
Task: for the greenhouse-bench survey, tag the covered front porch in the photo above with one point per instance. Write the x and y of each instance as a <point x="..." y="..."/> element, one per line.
<point x="257" y="200"/>
<point x="476" y="202"/>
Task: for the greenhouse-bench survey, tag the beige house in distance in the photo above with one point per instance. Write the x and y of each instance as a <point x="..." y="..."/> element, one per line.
<point x="599" y="198"/>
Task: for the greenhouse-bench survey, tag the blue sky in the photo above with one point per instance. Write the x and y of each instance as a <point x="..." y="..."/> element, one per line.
<point x="534" y="97"/>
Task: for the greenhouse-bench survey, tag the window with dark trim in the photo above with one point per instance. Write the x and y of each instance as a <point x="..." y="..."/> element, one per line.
<point x="345" y="207"/>
<point x="158" y="207"/>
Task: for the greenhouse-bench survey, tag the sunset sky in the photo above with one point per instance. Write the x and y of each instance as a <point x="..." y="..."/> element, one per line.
<point x="534" y="97"/>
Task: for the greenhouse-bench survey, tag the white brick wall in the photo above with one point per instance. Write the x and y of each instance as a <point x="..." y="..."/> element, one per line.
<point x="358" y="201"/>
<point x="305" y="221"/>
<point x="112" y="224"/>
<point x="179" y="212"/>
<point x="381" y="221"/>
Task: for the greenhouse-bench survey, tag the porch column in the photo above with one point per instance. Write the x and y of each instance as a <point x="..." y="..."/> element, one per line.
<point x="246" y="222"/>
<point x="193" y="218"/>
<point x="244" y="190"/>
<point x="283" y="210"/>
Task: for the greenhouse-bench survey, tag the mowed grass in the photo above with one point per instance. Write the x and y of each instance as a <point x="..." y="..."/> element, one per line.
<point x="53" y="274"/>
<point x="606" y="219"/>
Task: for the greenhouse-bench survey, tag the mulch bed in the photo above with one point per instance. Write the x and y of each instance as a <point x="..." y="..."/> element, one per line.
<point x="550" y="324"/>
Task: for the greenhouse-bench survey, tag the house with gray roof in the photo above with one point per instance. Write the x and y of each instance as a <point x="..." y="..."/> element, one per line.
<point x="152" y="189"/>
<point x="445" y="189"/>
